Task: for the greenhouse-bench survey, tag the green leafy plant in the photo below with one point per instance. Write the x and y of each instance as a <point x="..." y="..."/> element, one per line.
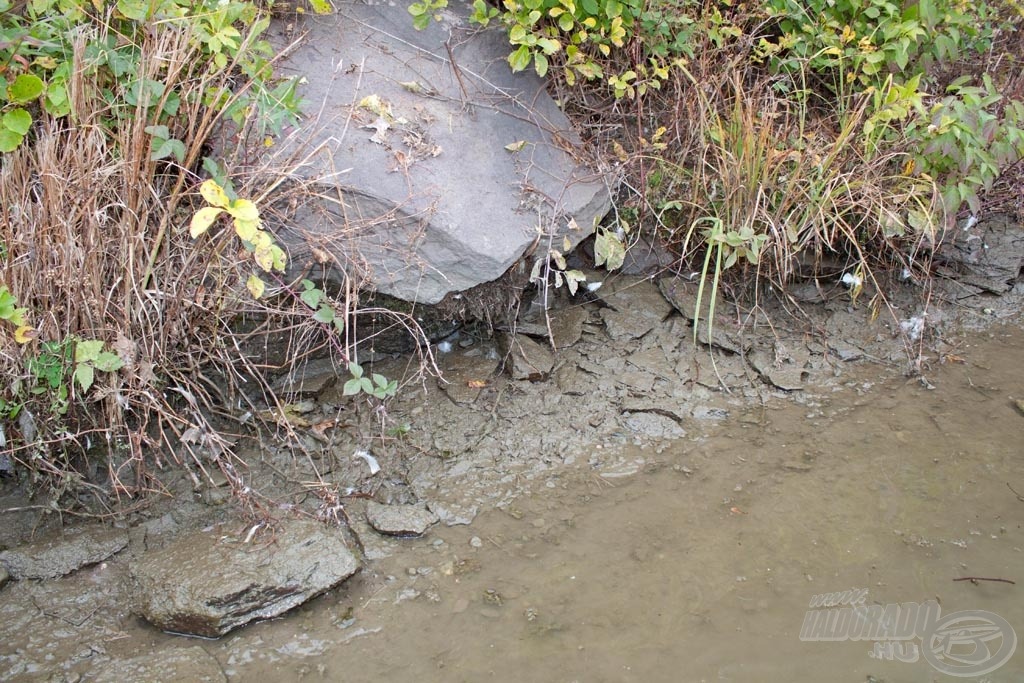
<point x="316" y="299"/>
<point x="90" y="357"/>
<point x="37" y="43"/>
<point x="379" y="387"/>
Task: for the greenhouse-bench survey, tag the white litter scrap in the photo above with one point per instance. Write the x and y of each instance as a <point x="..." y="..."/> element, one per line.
<point x="913" y="328"/>
<point x="370" y="460"/>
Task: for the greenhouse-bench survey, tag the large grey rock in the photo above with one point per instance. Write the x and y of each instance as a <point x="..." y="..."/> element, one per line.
<point x="63" y="552"/>
<point x="181" y="664"/>
<point x="416" y="181"/>
<point x="209" y="582"/>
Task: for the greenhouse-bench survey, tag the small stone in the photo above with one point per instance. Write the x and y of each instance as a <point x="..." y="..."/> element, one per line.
<point x="399" y="520"/>
<point x="527" y="359"/>
<point x="476" y="542"/>
<point x="4" y="576"/>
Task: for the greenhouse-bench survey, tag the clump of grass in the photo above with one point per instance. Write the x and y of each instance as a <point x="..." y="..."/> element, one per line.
<point x="95" y="207"/>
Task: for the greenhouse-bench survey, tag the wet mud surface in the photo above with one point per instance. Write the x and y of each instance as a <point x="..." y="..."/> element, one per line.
<point x="646" y="511"/>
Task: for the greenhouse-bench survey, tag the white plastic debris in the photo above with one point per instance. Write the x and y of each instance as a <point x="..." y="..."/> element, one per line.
<point x="594" y="286"/>
<point x="913" y="328"/>
<point x="972" y="220"/>
<point x="370" y="460"/>
<point x="851" y="280"/>
<point x="444" y="347"/>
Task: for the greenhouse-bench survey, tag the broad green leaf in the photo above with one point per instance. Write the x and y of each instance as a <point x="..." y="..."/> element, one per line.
<point x="17" y="120"/>
<point x="25" y="88"/>
<point x="203" y="219"/>
<point x="108" y="362"/>
<point x="214" y="194"/>
<point x="255" y="285"/>
<point x="311" y="296"/>
<point x="380" y="380"/>
<point x="9" y="140"/>
<point x="321" y="6"/>
<point x="324" y="314"/>
<point x="356" y="369"/>
<point x="84" y="375"/>
<point x="352" y="387"/>
<point x="88" y="350"/>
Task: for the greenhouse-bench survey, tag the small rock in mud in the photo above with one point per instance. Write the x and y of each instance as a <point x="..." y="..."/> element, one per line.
<point x="210" y="582"/>
<point x="453" y="514"/>
<point x="784" y="371"/>
<point x="683" y="296"/>
<point x="180" y="664"/>
<point x="527" y="359"/>
<point x="636" y="296"/>
<point x="626" y="325"/>
<point x="4" y="576"/>
<point x="399" y="520"/>
<point x="653" y="426"/>
<point x="63" y="552"/>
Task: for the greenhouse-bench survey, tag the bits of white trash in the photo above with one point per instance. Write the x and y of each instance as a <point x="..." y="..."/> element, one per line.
<point x="914" y="327"/>
<point x="370" y="461"/>
<point x="851" y="280"/>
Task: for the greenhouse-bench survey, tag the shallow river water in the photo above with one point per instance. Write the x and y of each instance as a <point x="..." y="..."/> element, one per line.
<point x="703" y="567"/>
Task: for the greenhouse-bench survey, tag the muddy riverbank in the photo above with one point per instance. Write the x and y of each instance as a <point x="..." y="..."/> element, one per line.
<point x="638" y="508"/>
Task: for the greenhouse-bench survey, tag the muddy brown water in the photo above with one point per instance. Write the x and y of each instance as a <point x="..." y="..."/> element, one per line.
<point x="701" y="567"/>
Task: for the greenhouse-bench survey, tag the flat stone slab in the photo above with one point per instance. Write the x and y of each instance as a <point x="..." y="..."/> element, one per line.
<point x="526" y="358"/>
<point x="399" y="520"/>
<point x="209" y="582"/>
<point x="63" y="552"/>
<point x="182" y="664"/>
<point x="435" y="164"/>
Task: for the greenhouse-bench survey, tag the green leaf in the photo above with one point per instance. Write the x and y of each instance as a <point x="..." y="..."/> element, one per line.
<point x="352" y="387"/>
<point x="324" y="314"/>
<point x="520" y="59"/>
<point x="540" y="64"/>
<point x="355" y="369"/>
<point x="608" y="250"/>
<point x="380" y="380"/>
<point x="84" y="375"/>
<point x="108" y="362"/>
<point x="9" y="140"/>
<point x="25" y="88"/>
<point x="17" y="120"/>
<point x="311" y="296"/>
<point x="88" y="350"/>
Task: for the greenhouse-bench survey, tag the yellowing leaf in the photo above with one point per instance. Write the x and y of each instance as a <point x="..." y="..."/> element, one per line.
<point x="244" y="210"/>
<point x="515" y="146"/>
<point x="247" y="230"/>
<point x="25" y="334"/>
<point x="214" y="194"/>
<point x="264" y="258"/>
<point x="255" y="286"/>
<point x="203" y="219"/>
<point x="375" y="104"/>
